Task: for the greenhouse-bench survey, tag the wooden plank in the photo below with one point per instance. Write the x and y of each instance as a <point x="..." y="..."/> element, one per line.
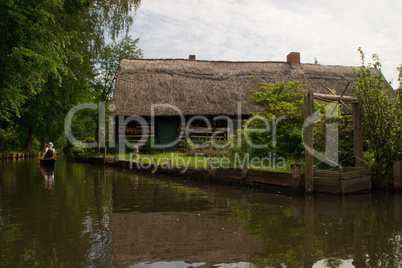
<point x="324" y="185"/>
<point x="335" y="186"/>
<point x="355" y="185"/>
<point x="346" y="175"/>
<point x="355" y="174"/>
<point x="201" y="131"/>
<point x="272" y="181"/>
<point x="265" y="173"/>
<point x="327" y="97"/>
<point x="138" y="139"/>
<point x="137" y="136"/>
<point x="327" y="181"/>
<point x="233" y="174"/>
<point x="270" y="177"/>
<point x="199" y="137"/>
<point x="327" y="174"/>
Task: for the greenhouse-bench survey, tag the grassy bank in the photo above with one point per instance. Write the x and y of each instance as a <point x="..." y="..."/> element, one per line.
<point x="202" y="161"/>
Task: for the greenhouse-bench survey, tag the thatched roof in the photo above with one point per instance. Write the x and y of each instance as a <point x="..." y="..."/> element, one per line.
<point x="212" y="87"/>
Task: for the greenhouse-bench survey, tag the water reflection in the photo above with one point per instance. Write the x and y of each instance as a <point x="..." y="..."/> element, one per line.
<point x="98" y="216"/>
<point x="162" y="220"/>
<point x="48" y="175"/>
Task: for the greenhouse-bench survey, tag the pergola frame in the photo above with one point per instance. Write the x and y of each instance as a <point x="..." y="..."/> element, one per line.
<point x="309" y="97"/>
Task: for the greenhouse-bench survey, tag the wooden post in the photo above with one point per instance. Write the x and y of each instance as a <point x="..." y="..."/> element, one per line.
<point x="116" y="134"/>
<point x="244" y="172"/>
<point x="296" y="175"/>
<point x="398" y="175"/>
<point x="141" y="164"/>
<point x="212" y="169"/>
<point x="169" y="164"/>
<point x="309" y="158"/>
<point x="155" y="166"/>
<point x="358" y="137"/>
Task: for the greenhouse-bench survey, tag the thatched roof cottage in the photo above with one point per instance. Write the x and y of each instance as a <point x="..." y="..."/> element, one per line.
<point x="209" y="89"/>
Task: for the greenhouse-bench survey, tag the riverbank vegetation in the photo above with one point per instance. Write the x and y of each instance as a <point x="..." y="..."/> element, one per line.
<point x="183" y="160"/>
<point x="54" y="56"/>
<point x="381" y="119"/>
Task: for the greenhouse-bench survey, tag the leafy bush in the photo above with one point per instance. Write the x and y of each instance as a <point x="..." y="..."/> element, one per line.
<point x="283" y="111"/>
<point x="207" y="147"/>
<point x="345" y="138"/>
<point x="148" y="148"/>
<point x="381" y="122"/>
<point x="77" y="149"/>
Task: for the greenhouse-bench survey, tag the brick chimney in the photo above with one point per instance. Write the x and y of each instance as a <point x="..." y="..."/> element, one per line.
<point x="191" y="57"/>
<point x="294" y="59"/>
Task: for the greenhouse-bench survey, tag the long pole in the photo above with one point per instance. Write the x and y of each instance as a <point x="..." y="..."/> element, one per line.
<point x="309" y="158"/>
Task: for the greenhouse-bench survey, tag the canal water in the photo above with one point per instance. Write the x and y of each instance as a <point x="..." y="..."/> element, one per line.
<point x="82" y="215"/>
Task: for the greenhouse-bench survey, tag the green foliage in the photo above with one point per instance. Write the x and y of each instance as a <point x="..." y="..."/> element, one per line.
<point x="381" y="122"/>
<point x="282" y="119"/>
<point x="149" y="149"/>
<point x="77" y="149"/>
<point x="206" y="147"/>
<point x="3" y="133"/>
<point x="32" y="48"/>
<point x="239" y="145"/>
<point x="83" y="124"/>
<point x="280" y="99"/>
<point x="345" y="138"/>
<point x="184" y="146"/>
<point x="49" y="50"/>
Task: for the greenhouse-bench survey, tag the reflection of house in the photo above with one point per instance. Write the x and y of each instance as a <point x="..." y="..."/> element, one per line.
<point x="155" y="220"/>
<point x="215" y="90"/>
<point x="204" y="236"/>
<point x="158" y="219"/>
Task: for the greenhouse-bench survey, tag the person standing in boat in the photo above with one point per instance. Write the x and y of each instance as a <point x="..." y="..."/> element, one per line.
<point x="50" y="151"/>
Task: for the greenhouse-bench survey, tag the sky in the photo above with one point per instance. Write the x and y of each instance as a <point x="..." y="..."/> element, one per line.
<point x="267" y="30"/>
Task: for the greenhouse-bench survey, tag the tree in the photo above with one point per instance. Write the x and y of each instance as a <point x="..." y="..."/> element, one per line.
<point x="32" y="48"/>
<point x="283" y="106"/>
<point x="381" y="122"/>
<point x="48" y="48"/>
<point x="109" y="60"/>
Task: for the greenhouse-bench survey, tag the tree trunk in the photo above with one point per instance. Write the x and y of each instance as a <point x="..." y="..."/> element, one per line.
<point x="42" y="145"/>
<point x="28" y="143"/>
<point x="4" y="126"/>
<point x="97" y="137"/>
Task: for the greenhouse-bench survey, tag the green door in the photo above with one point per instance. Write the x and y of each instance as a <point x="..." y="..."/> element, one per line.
<point x="167" y="133"/>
